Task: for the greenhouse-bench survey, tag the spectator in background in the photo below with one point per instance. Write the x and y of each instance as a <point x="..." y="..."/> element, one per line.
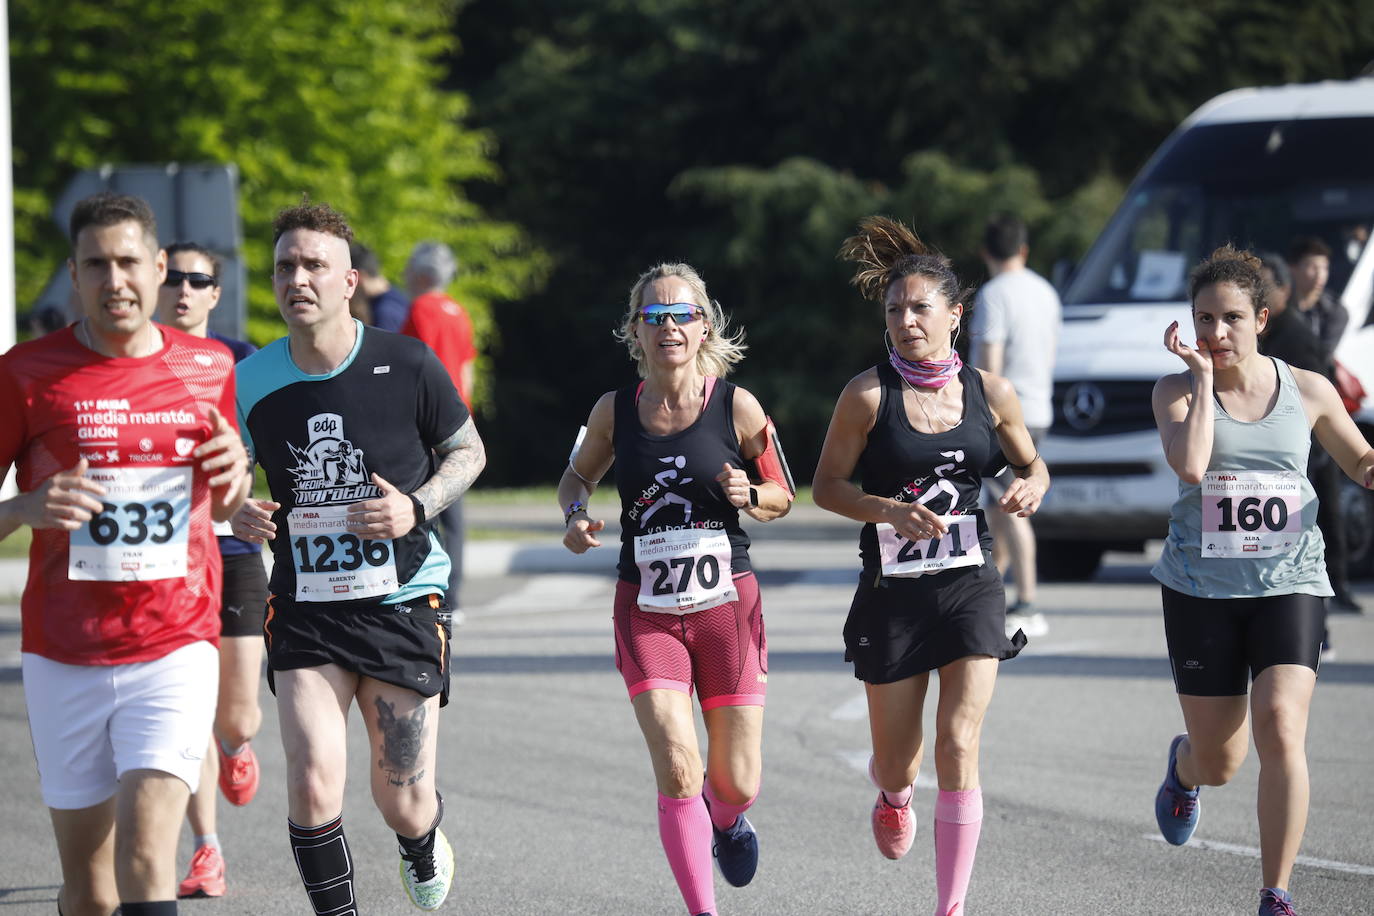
<point x="47" y="318"/>
<point x="444" y="325"/>
<point x="1310" y="261"/>
<point x="382" y="304"/>
<point x="1287" y="335"/>
<point x="1015" y="333"/>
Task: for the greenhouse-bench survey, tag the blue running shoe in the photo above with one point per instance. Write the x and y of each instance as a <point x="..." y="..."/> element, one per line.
<point x="737" y="851"/>
<point x="1276" y="902"/>
<point x="1176" y="808"/>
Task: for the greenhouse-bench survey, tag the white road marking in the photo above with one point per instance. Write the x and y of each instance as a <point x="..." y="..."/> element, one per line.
<point x="1044" y="646"/>
<point x="542" y="594"/>
<point x="851" y="710"/>
<point x="1252" y="853"/>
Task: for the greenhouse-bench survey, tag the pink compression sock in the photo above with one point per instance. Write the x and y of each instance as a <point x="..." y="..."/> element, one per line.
<point x="723" y="814"/>
<point x="895" y="799"/>
<point x="685" y="830"/>
<point x="958" y="821"/>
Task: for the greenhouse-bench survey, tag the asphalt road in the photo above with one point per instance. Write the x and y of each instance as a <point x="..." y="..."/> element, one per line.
<point x="551" y="800"/>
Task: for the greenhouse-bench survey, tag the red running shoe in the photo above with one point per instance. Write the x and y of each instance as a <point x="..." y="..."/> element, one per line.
<point x="206" y="877"/>
<point x="893" y="828"/>
<point x="238" y="775"/>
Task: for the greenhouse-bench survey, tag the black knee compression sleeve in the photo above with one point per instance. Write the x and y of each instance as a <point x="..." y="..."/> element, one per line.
<point x="326" y="866"/>
<point x="424" y="845"/>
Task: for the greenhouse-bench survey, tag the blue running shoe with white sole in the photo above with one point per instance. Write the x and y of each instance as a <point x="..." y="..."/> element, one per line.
<point x="736" y="849"/>
<point x="1176" y="808"/>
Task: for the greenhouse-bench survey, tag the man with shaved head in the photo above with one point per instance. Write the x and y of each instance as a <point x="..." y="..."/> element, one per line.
<point x="363" y="438"/>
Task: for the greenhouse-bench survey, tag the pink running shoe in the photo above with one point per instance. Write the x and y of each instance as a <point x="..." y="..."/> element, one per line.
<point x="893" y="828"/>
<point x="206" y="877"/>
<point x="238" y="775"/>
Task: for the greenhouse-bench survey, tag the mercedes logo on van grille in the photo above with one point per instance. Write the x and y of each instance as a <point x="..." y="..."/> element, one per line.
<point x="1084" y="404"/>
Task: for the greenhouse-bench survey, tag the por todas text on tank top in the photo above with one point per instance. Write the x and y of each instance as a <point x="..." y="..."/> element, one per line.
<point x="942" y="471"/>
<point x="676" y="526"/>
<point x="1249" y="528"/>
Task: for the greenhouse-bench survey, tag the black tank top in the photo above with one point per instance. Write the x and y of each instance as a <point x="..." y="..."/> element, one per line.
<point x="669" y="482"/>
<point x="944" y="470"/>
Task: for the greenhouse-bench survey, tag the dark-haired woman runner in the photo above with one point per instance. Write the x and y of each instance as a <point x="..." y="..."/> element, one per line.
<point x="1242" y="572"/>
<point x="919" y="428"/>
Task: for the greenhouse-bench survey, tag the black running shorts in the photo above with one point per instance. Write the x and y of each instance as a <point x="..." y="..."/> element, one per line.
<point x="1218" y="645"/>
<point x="899" y="627"/>
<point x="244" y="595"/>
<point x="402" y="644"/>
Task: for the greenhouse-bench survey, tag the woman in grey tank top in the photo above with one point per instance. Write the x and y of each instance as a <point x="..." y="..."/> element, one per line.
<point x="1242" y="573"/>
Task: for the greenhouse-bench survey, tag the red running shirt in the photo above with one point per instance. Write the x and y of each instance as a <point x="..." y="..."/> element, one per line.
<point x="444" y="325"/>
<point x="142" y="579"/>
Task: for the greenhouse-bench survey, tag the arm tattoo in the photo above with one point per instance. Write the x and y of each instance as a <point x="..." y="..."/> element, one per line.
<point x="402" y="741"/>
<point x="461" y="458"/>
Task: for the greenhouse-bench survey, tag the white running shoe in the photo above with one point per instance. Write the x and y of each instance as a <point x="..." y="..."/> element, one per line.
<point x="1025" y="618"/>
<point x="427" y="879"/>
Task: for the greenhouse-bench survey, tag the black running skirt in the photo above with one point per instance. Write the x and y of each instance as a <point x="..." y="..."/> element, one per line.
<point x="900" y="627"/>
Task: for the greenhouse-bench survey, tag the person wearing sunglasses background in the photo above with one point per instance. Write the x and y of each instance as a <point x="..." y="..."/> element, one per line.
<point x="691" y="452"/>
<point x="185" y="299"/>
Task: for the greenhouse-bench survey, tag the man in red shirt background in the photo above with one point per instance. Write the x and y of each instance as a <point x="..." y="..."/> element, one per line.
<point x="442" y="323"/>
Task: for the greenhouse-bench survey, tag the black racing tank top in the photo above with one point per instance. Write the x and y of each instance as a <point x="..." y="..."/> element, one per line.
<point x="669" y="482"/>
<point x="944" y="471"/>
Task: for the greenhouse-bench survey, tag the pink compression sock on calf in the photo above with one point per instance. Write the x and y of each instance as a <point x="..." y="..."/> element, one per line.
<point x="895" y="799"/>
<point x="685" y="830"/>
<point x="958" y="821"/>
<point x="723" y="814"/>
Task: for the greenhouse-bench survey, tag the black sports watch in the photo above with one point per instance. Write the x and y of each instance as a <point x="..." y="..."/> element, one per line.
<point x="419" y="509"/>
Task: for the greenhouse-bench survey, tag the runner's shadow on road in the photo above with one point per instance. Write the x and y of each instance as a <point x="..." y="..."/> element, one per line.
<point x="30" y="895"/>
<point x="779" y="662"/>
<point x="1128" y="667"/>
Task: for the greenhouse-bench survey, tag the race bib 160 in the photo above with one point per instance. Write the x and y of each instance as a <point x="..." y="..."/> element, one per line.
<point x="1250" y="513"/>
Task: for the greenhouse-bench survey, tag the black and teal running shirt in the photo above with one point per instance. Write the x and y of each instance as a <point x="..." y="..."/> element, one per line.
<point x="320" y="439"/>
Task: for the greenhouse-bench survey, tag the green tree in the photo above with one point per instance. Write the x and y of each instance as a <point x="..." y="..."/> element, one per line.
<point x="337" y="99"/>
<point x="746" y="136"/>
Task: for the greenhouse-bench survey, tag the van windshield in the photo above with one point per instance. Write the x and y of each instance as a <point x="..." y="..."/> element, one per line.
<point x="1257" y="185"/>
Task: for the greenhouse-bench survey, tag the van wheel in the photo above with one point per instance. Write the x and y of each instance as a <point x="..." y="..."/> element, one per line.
<point x="1067" y="561"/>
<point x="1357" y="514"/>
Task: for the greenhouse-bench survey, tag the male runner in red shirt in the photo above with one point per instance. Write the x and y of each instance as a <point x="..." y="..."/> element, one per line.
<point x="122" y="434"/>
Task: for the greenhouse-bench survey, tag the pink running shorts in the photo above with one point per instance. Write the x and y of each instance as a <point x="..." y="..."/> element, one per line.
<point x="721" y="652"/>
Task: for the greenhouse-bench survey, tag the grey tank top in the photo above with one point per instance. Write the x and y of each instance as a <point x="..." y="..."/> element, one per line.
<point x="1279" y="441"/>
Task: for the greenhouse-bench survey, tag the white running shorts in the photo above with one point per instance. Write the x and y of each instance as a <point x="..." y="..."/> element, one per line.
<point x="93" y="723"/>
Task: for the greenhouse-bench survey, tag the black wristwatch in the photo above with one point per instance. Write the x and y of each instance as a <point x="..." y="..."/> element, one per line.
<point x="419" y="509"/>
<point x="753" y="498"/>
